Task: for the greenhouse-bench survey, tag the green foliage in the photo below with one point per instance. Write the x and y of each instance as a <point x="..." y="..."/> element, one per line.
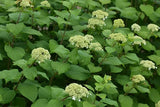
<point x="106" y="72"/>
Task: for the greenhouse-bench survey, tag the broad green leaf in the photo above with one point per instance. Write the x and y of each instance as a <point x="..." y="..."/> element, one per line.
<point x="21" y="63"/>
<point x="111" y="61"/>
<point x="54" y="103"/>
<point x="122" y="79"/>
<point x="12" y="75"/>
<point x="30" y="73"/>
<point x="128" y="88"/>
<point x="105" y="1"/>
<point x="154" y="95"/>
<point x="63" y="14"/>
<point x="98" y="78"/>
<point x="4" y="34"/>
<point x="29" y="91"/>
<point x="15" y="53"/>
<point x="15" y="16"/>
<point x="15" y="28"/>
<point x="59" y="20"/>
<point x="77" y="73"/>
<point x="44" y="92"/>
<point x="125" y="101"/>
<point x="110" y="49"/>
<point x="40" y="103"/>
<point x="46" y="65"/>
<point x="67" y="4"/>
<point x="110" y="102"/>
<point x="74" y="56"/>
<point x="43" y="74"/>
<point x="60" y="67"/>
<point x="29" y="30"/>
<point x="122" y="3"/>
<point x="155" y="58"/>
<point x="7" y="95"/>
<point x="94" y="69"/>
<point x="57" y="93"/>
<point x="149" y="46"/>
<point x="84" y="57"/>
<point x="53" y="45"/>
<point x="43" y="20"/>
<point x="132" y="56"/>
<point x="142" y="105"/>
<point x="115" y="69"/>
<point x="142" y="89"/>
<point x="87" y="104"/>
<point x="101" y="95"/>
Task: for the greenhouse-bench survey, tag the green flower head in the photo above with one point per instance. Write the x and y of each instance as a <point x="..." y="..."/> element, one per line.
<point x="148" y="64"/>
<point x="45" y="4"/>
<point x="40" y="54"/>
<point x="135" y="27"/>
<point x="96" y="46"/>
<point x="157" y="104"/>
<point x="76" y="91"/>
<point x="99" y="14"/>
<point x="118" y="23"/>
<point x="118" y="37"/>
<point x="93" y="22"/>
<point x="153" y="27"/>
<point x="137" y="78"/>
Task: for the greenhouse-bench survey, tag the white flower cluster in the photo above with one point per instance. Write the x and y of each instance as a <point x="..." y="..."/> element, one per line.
<point x="118" y="37"/>
<point x="137" y="78"/>
<point x="153" y="27"/>
<point x="96" y="46"/>
<point x="81" y="41"/>
<point x="118" y="23"/>
<point x="24" y="3"/>
<point x="76" y="91"/>
<point x="137" y="40"/>
<point x="157" y="104"/>
<point x="148" y="64"/>
<point x="99" y="14"/>
<point x="40" y="54"/>
<point x="135" y="27"/>
<point x="98" y="19"/>
<point x="45" y="4"/>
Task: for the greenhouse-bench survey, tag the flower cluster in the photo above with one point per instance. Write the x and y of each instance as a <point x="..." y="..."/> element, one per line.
<point x="76" y="91"/>
<point x="153" y="27"/>
<point x="96" y="46"/>
<point x="148" y="64"/>
<point x="118" y="37"/>
<point x="81" y="41"/>
<point x="137" y="40"/>
<point x="99" y="14"/>
<point x="92" y="22"/>
<point x="40" y="54"/>
<point x="135" y="27"/>
<point x="118" y="23"/>
<point x="45" y="4"/>
<point x="98" y="19"/>
<point x="157" y="104"/>
<point x="137" y="78"/>
<point x="24" y="3"/>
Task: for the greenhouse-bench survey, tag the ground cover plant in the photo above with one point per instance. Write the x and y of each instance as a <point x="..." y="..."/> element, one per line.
<point x="79" y="53"/>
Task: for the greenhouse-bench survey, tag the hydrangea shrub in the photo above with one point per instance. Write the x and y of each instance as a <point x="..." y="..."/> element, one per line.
<point x="79" y="53"/>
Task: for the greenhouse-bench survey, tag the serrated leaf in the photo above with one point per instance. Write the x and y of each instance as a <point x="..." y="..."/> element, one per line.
<point x="115" y="69"/>
<point x="105" y="1"/>
<point x="54" y="103"/>
<point x="29" y="30"/>
<point x="132" y="56"/>
<point x="40" y="103"/>
<point x="98" y="78"/>
<point x="142" y="89"/>
<point x="154" y="95"/>
<point x="87" y="104"/>
<point x="28" y="91"/>
<point x="155" y="58"/>
<point x="94" y="69"/>
<point x="60" y="67"/>
<point x="111" y="61"/>
<point x="15" y="53"/>
<point x="142" y="105"/>
<point x="43" y="74"/>
<point x="21" y="63"/>
<point x="30" y="73"/>
<point x="15" y="28"/>
<point x="149" y="46"/>
<point x="110" y="102"/>
<point x="125" y="101"/>
<point x="77" y="73"/>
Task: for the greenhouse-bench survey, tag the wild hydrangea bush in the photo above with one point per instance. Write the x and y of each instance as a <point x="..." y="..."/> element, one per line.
<point x="79" y="53"/>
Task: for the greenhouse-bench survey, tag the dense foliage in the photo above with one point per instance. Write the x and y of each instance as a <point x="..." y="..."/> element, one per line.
<point x="80" y="53"/>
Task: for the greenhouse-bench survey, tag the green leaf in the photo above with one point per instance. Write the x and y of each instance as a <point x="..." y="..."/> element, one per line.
<point x="77" y="73"/>
<point x="122" y="79"/>
<point x="15" y="28"/>
<point x="110" y="102"/>
<point x="149" y="46"/>
<point x="67" y="4"/>
<point x="125" y="101"/>
<point x="74" y="56"/>
<point x="14" y="53"/>
<point x="10" y="75"/>
<point x="21" y="63"/>
<point x="29" y="30"/>
<point x="105" y="1"/>
<point x="142" y="89"/>
<point x="115" y="69"/>
<point x="142" y="105"/>
<point x="7" y="95"/>
<point x="94" y="69"/>
<point x="110" y="49"/>
<point x="154" y="95"/>
<point x="43" y="74"/>
<point x="155" y="58"/>
<point x="43" y="20"/>
<point x="45" y="92"/>
<point x="60" y="67"/>
<point x="128" y="88"/>
<point x="98" y="78"/>
<point x="132" y="56"/>
<point x="111" y="61"/>
<point x="54" y="103"/>
<point x="15" y="16"/>
<point x="29" y="91"/>
<point x="87" y="104"/>
<point x="122" y="3"/>
<point x="63" y="14"/>
<point x="30" y="73"/>
<point x="84" y="57"/>
<point x="40" y="103"/>
<point x="57" y="93"/>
